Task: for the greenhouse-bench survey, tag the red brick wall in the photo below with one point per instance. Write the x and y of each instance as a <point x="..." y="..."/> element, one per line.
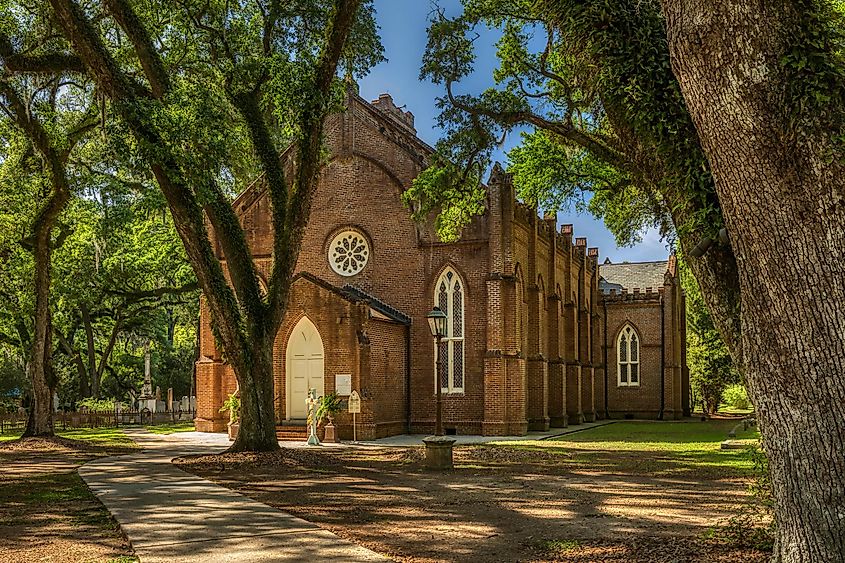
<point x="643" y="311"/>
<point x="387" y="379"/>
<point x="338" y="321"/>
<point x="530" y="299"/>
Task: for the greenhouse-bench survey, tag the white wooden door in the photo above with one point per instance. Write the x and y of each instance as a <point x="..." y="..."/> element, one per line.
<point x="304" y="367"/>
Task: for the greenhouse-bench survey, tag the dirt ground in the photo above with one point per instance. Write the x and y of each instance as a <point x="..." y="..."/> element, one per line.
<point x="47" y="513"/>
<point x="498" y="504"/>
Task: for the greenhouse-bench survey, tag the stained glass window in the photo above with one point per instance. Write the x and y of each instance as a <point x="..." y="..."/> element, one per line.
<point x="348" y="253"/>
<point x="628" y="357"/>
<point x="449" y="296"/>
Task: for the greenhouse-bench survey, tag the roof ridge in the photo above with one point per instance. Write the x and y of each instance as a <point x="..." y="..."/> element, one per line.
<point x="666" y="261"/>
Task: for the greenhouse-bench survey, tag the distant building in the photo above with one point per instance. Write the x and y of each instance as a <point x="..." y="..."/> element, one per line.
<point x="530" y="331"/>
<point x="644" y="335"/>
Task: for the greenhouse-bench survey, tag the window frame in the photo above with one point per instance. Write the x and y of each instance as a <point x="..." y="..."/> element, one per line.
<point x="625" y="334"/>
<point x="360" y="262"/>
<point x="450" y="339"/>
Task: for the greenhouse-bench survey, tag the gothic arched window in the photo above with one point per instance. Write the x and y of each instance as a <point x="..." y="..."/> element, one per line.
<point x="628" y="357"/>
<point x="449" y="296"/>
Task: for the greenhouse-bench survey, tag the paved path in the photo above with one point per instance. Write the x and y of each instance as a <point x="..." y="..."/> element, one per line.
<point x="403" y="440"/>
<point x="170" y="515"/>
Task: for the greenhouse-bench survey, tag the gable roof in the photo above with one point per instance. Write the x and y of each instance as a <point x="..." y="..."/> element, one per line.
<point x="355" y="295"/>
<point x="377" y="304"/>
<point x="383" y="111"/>
<point x="632" y="275"/>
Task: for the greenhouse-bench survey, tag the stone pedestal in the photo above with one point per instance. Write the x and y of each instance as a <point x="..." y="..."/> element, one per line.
<point x="330" y="433"/>
<point x="438" y="452"/>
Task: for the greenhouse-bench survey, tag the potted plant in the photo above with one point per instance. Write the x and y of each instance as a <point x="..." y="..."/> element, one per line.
<point x="233" y="405"/>
<point x="330" y="406"/>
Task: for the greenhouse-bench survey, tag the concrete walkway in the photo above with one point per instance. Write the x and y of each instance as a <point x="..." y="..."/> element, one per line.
<point x="404" y="440"/>
<point x="170" y="515"/>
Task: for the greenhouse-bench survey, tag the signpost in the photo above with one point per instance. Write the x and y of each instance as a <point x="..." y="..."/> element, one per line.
<point x="354" y="409"/>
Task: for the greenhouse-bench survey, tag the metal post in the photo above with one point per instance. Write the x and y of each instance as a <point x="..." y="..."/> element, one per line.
<point x="438" y="424"/>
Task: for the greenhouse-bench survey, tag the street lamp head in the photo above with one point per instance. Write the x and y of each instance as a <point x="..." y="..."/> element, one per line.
<point x="437" y="322"/>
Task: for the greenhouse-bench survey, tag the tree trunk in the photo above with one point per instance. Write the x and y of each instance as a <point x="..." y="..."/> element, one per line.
<point x="90" y="351"/>
<point x="40" y="419"/>
<point x="107" y="351"/>
<point x="783" y="206"/>
<point x="74" y="356"/>
<point x="257" y="430"/>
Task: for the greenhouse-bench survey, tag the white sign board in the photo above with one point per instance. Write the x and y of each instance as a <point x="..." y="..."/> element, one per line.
<point x="343" y="384"/>
<point x="354" y="403"/>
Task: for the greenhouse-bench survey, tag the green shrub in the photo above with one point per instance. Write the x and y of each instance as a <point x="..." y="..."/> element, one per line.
<point x="330" y="406"/>
<point x="559" y="548"/>
<point x="233" y="405"/>
<point x="99" y="405"/>
<point x="736" y="396"/>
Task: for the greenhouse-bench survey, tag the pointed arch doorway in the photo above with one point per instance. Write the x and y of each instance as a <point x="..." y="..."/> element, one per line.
<point x="304" y="368"/>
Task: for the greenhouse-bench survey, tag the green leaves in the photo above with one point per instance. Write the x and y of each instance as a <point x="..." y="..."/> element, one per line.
<point x="449" y="54"/>
<point x="812" y="70"/>
<point x="612" y="134"/>
<point x="455" y="194"/>
<point x="710" y="364"/>
<point x="555" y="174"/>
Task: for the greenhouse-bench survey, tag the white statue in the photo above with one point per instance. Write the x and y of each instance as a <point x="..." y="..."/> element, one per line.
<point x="312" y="403"/>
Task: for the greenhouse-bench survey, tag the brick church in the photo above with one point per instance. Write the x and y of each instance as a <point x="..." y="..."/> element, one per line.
<point x="540" y="334"/>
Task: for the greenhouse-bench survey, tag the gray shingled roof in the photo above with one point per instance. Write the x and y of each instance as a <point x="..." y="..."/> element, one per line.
<point x="354" y="294"/>
<point x="631" y="275"/>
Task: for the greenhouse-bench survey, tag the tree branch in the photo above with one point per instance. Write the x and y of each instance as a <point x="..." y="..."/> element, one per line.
<point x="136" y="296"/>
<point x="49" y="63"/>
<point x="186" y="212"/>
<point x="147" y="55"/>
<point x="337" y="32"/>
<point x="583" y="139"/>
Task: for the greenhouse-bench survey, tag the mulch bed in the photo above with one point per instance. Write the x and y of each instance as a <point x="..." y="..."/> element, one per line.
<point x="498" y="504"/>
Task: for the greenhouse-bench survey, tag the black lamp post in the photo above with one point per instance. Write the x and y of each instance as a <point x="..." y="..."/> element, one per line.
<point x="437" y="323"/>
<point x="438" y="448"/>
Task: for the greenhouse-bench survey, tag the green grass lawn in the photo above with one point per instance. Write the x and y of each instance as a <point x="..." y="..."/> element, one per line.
<point x="726" y="409"/>
<point x="113" y="437"/>
<point x="677" y="448"/>
<point x="106" y="437"/>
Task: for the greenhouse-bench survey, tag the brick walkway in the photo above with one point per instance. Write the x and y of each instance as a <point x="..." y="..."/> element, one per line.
<point x="170" y="515"/>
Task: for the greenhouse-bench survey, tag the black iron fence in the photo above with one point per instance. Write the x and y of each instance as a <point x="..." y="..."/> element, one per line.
<point x="11" y="422"/>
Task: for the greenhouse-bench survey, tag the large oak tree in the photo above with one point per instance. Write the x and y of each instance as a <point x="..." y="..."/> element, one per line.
<point x="765" y="86"/>
<point x="184" y="79"/>
<point x="723" y="123"/>
<point x="49" y="115"/>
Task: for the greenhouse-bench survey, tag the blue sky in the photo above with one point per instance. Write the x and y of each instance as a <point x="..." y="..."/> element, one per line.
<point x="403" y="31"/>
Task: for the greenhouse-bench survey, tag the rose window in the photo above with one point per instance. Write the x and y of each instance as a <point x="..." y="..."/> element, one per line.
<point x="348" y="253"/>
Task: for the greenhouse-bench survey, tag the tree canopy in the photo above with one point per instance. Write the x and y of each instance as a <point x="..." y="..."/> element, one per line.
<point x="201" y="98"/>
<point x="608" y="127"/>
